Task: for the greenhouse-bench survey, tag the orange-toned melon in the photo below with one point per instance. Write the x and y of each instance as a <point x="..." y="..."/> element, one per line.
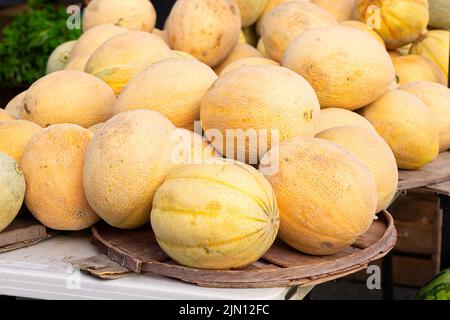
<point x="338" y="117"/>
<point x="252" y="61"/>
<point x="240" y="51"/>
<point x="15" y="135"/>
<point x="412" y="68"/>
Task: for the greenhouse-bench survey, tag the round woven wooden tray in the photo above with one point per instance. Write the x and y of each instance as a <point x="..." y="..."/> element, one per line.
<point x="281" y="266"/>
<point x="433" y="173"/>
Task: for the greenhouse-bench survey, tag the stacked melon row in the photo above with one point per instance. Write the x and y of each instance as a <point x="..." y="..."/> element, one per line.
<point x="301" y="143"/>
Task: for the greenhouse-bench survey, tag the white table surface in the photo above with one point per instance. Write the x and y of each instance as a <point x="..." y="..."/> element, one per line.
<point x="41" y="272"/>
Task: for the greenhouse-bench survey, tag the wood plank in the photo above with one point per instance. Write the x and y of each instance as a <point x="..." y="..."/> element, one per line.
<point x="441" y="188"/>
<point x="412" y="271"/>
<point x="433" y="173"/>
<point x="21" y="230"/>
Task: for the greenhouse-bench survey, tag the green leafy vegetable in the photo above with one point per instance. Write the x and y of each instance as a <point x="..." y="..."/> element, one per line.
<point x="29" y="40"/>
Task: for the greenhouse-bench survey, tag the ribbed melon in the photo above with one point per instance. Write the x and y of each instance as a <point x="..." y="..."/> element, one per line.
<point x="123" y="56"/>
<point x="374" y="153"/>
<point x="407" y="125"/>
<point x="285" y="22"/>
<point x="131" y="14"/>
<point x="53" y="168"/>
<point x="174" y="87"/>
<point x="439" y="14"/>
<point x="254" y="61"/>
<point x="15" y="135"/>
<point x="412" y="68"/>
<point x="125" y="164"/>
<point x="216" y="216"/>
<point x="265" y="103"/>
<point x="240" y="51"/>
<point x="364" y="71"/>
<point x="327" y="197"/>
<point x="12" y="190"/>
<point x="208" y="30"/>
<point x="398" y="22"/>
<point x="15" y="105"/>
<point x="437" y="98"/>
<point x="90" y="41"/>
<point x="68" y="96"/>
<point x="337" y="117"/>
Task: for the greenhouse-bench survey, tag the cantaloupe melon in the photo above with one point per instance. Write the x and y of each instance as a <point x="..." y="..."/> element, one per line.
<point x="15" y="105"/>
<point x="163" y="34"/>
<point x="68" y="96"/>
<point x="342" y="10"/>
<point x="12" y="190"/>
<point x="412" y="68"/>
<point x="120" y="58"/>
<point x="90" y="41"/>
<point x="250" y="10"/>
<point x="174" y="87"/>
<point x="398" y="22"/>
<point x="365" y="69"/>
<point x="327" y="197"/>
<point x="374" y="153"/>
<point x="15" y="135"/>
<point x="435" y="46"/>
<point x="407" y="125"/>
<point x="241" y="50"/>
<point x="258" y="105"/>
<point x="53" y="165"/>
<point x="271" y="4"/>
<point x="253" y="61"/>
<point x="439" y="14"/>
<point x="132" y="14"/>
<point x="338" y="117"/>
<point x="125" y="164"/>
<point x="437" y="98"/>
<point x="208" y="30"/>
<point x="5" y="115"/>
<point x="363" y="27"/>
<point x="284" y="23"/>
<point x="216" y="216"/>
<point x="59" y="58"/>
<point x="96" y="127"/>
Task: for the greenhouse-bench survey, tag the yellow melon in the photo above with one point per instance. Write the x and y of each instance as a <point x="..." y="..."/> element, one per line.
<point x="208" y="30"/>
<point x="191" y="148"/>
<point x="412" y="68"/>
<point x="217" y="216"/>
<point x="338" y="117"/>
<point x="253" y="61"/>
<point x="262" y="49"/>
<point x="163" y="34"/>
<point x="5" y="115"/>
<point x="250" y="10"/>
<point x="15" y="105"/>
<point x="437" y="98"/>
<point x="363" y="27"/>
<point x="407" y="125"/>
<point x="125" y="164"/>
<point x="257" y="106"/>
<point x="53" y="168"/>
<point x="435" y="46"/>
<point x="271" y="4"/>
<point x="120" y="58"/>
<point x="131" y="14"/>
<point x="284" y="23"/>
<point x="90" y="41"/>
<point x="374" y="153"/>
<point x="59" y="58"/>
<point x="241" y="50"/>
<point x="15" y="135"/>
<point x="96" y="127"/>
<point x="68" y="96"/>
<point x="439" y="14"/>
<point x="398" y="22"/>
<point x="327" y="197"/>
<point x="364" y="66"/>
<point x="174" y="87"/>
<point x="12" y="190"/>
<point x="341" y="9"/>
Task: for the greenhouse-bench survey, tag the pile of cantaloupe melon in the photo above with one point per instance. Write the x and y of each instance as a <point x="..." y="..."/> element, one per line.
<point x="307" y="110"/>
